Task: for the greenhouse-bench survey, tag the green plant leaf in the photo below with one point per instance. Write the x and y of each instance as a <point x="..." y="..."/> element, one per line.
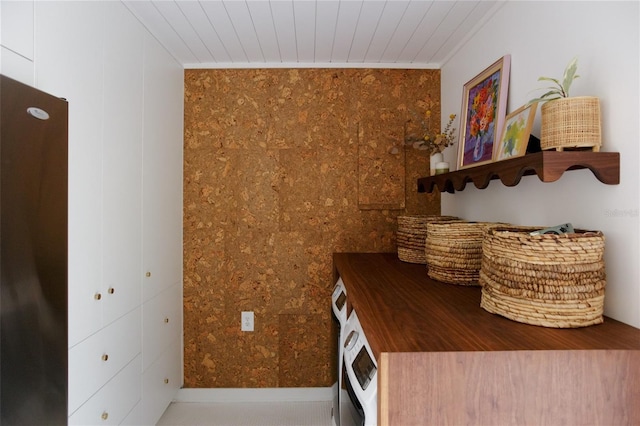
<point x="548" y="96"/>
<point x="569" y="75"/>
<point x="550" y="79"/>
<point x="560" y="90"/>
<point x="544" y="98"/>
<point x="554" y="93"/>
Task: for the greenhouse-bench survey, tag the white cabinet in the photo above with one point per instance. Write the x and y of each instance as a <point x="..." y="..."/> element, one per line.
<point x="96" y="360"/>
<point x="160" y="382"/>
<point x="162" y="323"/>
<point x="69" y="39"/>
<point x="114" y="402"/>
<point x="161" y="231"/>
<point x="134" y="418"/>
<point x="125" y="95"/>
<point x="99" y="72"/>
<point x="162" y="352"/>
<point x="122" y="165"/>
<point x="162" y="171"/>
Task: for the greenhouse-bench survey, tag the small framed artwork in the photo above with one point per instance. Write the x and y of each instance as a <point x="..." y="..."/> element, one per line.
<point x="515" y="133"/>
<point x="484" y="106"/>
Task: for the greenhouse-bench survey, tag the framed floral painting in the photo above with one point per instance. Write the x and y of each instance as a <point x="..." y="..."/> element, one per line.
<point x="515" y="133"/>
<point x="484" y="105"/>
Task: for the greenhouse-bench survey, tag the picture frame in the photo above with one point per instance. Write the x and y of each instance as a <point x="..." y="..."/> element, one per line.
<point x="484" y="105"/>
<point x="515" y="133"/>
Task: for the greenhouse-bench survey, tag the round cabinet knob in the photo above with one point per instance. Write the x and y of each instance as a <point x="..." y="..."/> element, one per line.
<point x="166" y="320"/>
<point x="111" y="290"/>
<point x="148" y="274"/>
<point x="97" y="296"/>
<point x="166" y="381"/>
<point x="105" y="357"/>
<point x="104" y="415"/>
<point x="351" y="340"/>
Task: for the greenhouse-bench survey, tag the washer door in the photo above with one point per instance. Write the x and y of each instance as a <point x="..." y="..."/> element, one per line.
<point x="351" y="411"/>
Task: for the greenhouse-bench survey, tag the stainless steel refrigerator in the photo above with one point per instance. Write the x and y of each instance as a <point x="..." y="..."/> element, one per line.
<point x="33" y="253"/>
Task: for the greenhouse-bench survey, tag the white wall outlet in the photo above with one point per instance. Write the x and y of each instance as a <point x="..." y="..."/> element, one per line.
<point x="246" y="318"/>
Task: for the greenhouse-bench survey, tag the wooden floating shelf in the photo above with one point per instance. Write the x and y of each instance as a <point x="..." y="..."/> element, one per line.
<point x="548" y="165"/>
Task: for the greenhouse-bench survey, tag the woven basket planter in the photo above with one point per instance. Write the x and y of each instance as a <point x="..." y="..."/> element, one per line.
<point x="571" y="123"/>
<point x="548" y="280"/>
<point x="453" y="251"/>
<point x="411" y="234"/>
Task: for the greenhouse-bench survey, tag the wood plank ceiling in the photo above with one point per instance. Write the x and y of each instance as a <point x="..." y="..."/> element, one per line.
<point x="312" y="33"/>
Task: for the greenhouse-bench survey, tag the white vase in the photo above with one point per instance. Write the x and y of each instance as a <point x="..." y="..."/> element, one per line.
<point x="433" y="160"/>
<point x="442" y="167"/>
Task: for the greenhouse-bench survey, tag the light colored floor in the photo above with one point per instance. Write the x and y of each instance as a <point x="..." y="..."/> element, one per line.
<point x="314" y="413"/>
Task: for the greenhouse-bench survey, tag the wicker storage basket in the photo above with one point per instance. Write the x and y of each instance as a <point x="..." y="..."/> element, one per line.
<point x="454" y="251"/>
<point x="571" y="123"/>
<point x="548" y="280"/>
<point x="412" y="231"/>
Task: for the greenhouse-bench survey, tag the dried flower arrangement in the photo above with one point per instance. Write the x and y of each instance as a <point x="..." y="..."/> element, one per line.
<point x="428" y="140"/>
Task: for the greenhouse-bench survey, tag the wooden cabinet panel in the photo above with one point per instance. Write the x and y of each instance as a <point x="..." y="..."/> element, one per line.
<point x="442" y="359"/>
<point x="402" y="310"/>
<point x="510" y="387"/>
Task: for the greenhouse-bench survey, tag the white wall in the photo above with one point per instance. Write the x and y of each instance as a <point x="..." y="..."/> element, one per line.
<point x="16" y="40"/>
<point x="542" y="37"/>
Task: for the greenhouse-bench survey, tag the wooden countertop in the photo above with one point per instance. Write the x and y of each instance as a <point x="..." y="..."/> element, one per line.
<point x="402" y="310"/>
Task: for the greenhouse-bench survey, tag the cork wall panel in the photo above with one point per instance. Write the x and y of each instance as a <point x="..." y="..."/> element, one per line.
<point x="300" y="348"/>
<point x="272" y="187"/>
<point x="381" y="164"/>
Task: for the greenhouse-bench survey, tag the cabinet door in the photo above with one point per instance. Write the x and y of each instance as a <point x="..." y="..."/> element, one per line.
<point x="122" y="165"/>
<point x="162" y="170"/>
<point x="69" y="40"/>
<point x="160" y="382"/>
<point x="134" y="418"/>
<point x="97" y="359"/>
<point x="114" y="402"/>
<point x="161" y="323"/>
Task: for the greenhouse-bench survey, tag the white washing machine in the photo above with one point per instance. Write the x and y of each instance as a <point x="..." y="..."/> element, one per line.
<point x="359" y="388"/>
<point x="339" y="308"/>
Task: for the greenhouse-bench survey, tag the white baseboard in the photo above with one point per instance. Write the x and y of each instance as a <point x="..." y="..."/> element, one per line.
<point x="253" y="394"/>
